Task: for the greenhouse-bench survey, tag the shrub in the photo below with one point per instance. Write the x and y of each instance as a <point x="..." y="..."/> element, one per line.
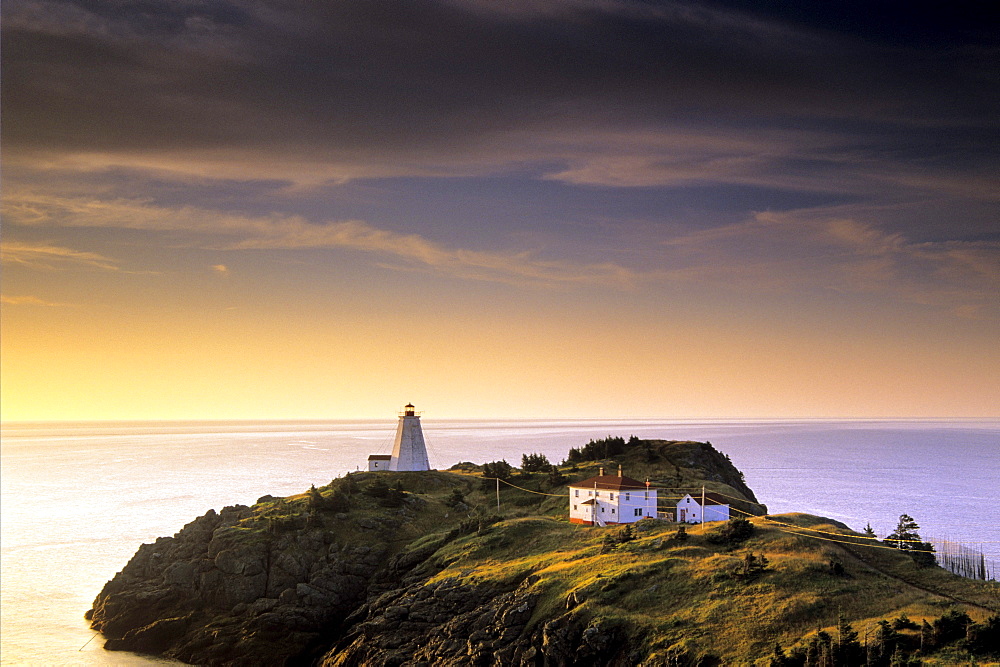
<point x="751" y="567"/>
<point x="456" y="498"/>
<point x="393" y="497"/>
<point x="733" y="532"/>
<point x="377" y="488"/>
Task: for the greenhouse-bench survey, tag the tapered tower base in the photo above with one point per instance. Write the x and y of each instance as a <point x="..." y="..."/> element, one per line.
<point x="409" y="451"/>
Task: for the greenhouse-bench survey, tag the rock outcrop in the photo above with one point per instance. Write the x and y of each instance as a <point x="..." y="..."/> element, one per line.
<point x="215" y="594"/>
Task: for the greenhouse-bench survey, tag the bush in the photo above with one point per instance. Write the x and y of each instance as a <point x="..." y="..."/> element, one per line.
<point x="393" y="497"/>
<point x="733" y="532"/>
<point x="377" y="488"/>
<point x="612" y="541"/>
<point x="751" y="567"/>
<point x="456" y="498"/>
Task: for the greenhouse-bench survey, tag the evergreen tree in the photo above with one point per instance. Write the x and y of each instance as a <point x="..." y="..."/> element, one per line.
<point x="906" y="538"/>
<point x="984" y="638"/>
<point x="535" y="463"/>
<point x="498" y="470"/>
<point x="883" y="645"/>
<point x="848" y="651"/>
<point x="869" y="532"/>
<point x="926" y="637"/>
<point x="905" y="534"/>
<point x="556" y="478"/>
<point x="315" y="497"/>
<point x="951" y="627"/>
<point x="778" y="658"/>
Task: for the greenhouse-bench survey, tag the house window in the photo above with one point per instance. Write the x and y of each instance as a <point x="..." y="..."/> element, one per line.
<point x="574" y="508"/>
<point x="602" y="510"/>
<point x="612" y="510"/>
<point x="627" y="496"/>
<point x="638" y="511"/>
<point x="612" y="496"/>
<point x="590" y="493"/>
<point x="647" y="495"/>
<point x="597" y="493"/>
<point x="576" y="492"/>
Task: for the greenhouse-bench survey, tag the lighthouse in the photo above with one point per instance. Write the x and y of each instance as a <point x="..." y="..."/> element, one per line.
<point x="409" y="451"/>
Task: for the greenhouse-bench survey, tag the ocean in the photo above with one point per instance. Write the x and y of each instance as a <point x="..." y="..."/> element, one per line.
<point x="78" y="499"/>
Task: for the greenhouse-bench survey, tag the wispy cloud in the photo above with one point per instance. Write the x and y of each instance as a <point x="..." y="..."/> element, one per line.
<point x="217" y="229"/>
<point x="29" y="301"/>
<point x="819" y="249"/>
<point x="44" y="256"/>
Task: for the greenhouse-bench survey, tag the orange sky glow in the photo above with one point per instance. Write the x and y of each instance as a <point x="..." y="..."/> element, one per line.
<point x="208" y="213"/>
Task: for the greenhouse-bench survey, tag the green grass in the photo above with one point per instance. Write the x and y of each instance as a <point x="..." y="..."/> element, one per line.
<point x="670" y="597"/>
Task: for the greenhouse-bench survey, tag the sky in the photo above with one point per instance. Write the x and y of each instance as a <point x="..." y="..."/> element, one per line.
<point x="276" y="209"/>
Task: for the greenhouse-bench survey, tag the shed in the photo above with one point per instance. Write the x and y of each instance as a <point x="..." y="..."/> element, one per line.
<point x="379" y="462"/>
<point x="690" y="510"/>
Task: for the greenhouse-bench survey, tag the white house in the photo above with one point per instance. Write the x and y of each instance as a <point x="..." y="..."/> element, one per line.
<point x="689" y="508"/>
<point x="409" y="452"/>
<point x="610" y="499"/>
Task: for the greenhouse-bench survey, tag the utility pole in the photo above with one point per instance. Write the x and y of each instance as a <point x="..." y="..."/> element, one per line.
<point x="703" y="528"/>
<point x="498" y="495"/>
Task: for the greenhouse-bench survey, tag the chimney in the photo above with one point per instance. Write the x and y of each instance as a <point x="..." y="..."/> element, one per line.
<point x="601" y="473"/>
<point x="619" y="469"/>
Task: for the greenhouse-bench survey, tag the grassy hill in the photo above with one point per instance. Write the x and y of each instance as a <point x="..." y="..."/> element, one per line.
<point x="403" y="567"/>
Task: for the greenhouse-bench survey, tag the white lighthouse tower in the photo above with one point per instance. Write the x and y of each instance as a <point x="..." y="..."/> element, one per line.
<point x="409" y="451"/>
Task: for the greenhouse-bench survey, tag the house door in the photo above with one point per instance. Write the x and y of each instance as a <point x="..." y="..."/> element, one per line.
<point x="683" y="516"/>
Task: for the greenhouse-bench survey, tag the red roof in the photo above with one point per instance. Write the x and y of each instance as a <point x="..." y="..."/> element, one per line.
<point x="609" y="482"/>
<point x="710" y="498"/>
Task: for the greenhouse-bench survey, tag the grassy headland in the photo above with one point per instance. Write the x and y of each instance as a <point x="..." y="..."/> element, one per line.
<point x="432" y="549"/>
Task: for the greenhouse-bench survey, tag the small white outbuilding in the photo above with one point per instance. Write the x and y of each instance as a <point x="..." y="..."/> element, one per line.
<point x="379" y="462"/>
<point x="690" y="510"/>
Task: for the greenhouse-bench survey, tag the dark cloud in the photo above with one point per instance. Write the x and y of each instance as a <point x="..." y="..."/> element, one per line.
<point x="338" y="78"/>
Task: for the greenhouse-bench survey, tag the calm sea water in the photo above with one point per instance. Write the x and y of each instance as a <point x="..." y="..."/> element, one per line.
<point x="78" y="499"/>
